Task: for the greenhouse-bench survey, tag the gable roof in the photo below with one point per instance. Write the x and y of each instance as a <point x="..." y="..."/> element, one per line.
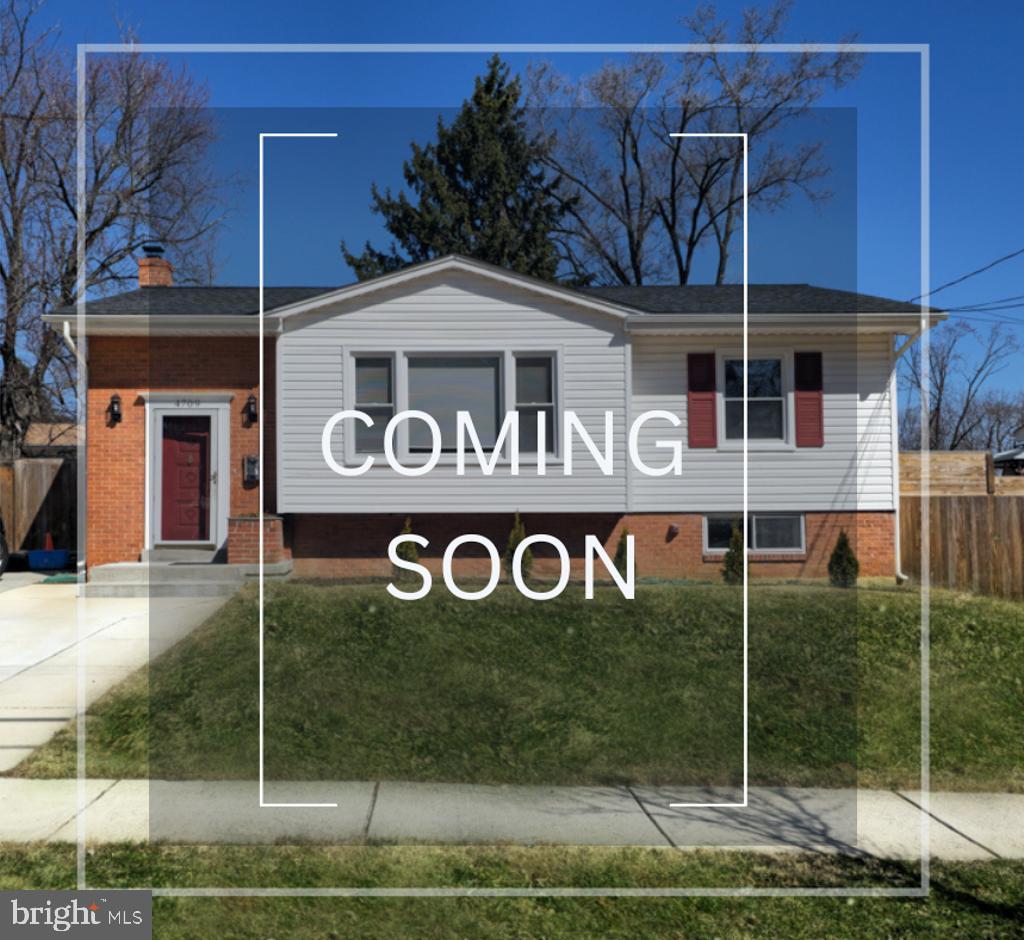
<point x="194" y="301"/>
<point x="762" y="298"/>
<point x="222" y="306"/>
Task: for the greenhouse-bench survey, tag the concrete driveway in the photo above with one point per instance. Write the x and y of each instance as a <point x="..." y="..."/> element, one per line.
<point x="45" y="628"/>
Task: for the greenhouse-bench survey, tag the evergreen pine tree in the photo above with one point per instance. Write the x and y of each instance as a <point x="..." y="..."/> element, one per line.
<point x="621" y="549"/>
<point x="407" y="551"/>
<point x="479" y="188"/>
<point x="843" y="566"/>
<point x="517" y="534"/>
<point x="732" y="564"/>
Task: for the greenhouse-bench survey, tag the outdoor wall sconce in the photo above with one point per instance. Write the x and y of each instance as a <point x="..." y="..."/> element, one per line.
<point x="114" y="410"/>
<point x="673" y="531"/>
<point x="250" y="470"/>
<point x="251" y="413"/>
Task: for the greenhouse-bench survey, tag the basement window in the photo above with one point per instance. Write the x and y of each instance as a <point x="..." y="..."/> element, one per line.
<point x="766" y="533"/>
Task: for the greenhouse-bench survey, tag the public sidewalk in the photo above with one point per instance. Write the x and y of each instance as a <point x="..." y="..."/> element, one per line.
<point x="45" y="628"/>
<point x="886" y="824"/>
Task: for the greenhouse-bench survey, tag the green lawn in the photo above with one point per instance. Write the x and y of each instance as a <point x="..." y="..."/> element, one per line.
<point x="361" y="686"/>
<point x="976" y="900"/>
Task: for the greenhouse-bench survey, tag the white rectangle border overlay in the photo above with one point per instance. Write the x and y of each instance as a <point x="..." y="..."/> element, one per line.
<point x="921" y="50"/>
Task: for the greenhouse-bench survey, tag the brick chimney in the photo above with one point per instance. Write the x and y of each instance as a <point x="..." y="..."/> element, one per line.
<point x="154" y="269"/>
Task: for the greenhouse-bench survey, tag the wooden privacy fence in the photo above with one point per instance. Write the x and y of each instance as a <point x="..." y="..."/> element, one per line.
<point x="976" y="542"/>
<point x="976" y="523"/>
<point x="956" y="473"/>
<point x="39" y="495"/>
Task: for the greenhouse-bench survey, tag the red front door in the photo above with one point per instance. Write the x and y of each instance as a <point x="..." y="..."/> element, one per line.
<point x="185" y="514"/>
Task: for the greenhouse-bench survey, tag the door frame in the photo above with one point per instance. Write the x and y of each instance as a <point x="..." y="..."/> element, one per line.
<point x="216" y="406"/>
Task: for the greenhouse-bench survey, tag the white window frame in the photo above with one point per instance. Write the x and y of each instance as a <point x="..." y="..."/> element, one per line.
<point x="752" y="527"/>
<point x="787" y="442"/>
<point x="352" y="383"/>
<point x="556" y="396"/>
<point x="502" y="392"/>
<point x="400" y="382"/>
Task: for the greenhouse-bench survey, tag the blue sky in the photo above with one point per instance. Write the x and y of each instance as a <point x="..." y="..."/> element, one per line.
<point x="977" y="137"/>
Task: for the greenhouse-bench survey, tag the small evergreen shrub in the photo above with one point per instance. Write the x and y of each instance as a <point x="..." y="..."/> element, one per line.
<point x="843" y="566"/>
<point x="732" y="564"/>
<point x="517" y="534"/>
<point x="620" y="553"/>
<point x="407" y="551"/>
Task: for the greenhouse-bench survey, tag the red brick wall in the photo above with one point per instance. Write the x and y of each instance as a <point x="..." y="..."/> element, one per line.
<point x="130" y="365"/>
<point x="244" y="545"/>
<point x="353" y="546"/>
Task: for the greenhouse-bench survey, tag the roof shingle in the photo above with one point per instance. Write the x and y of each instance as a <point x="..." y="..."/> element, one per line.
<point x="763" y="298"/>
<point x="195" y="301"/>
<point x="655" y="299"/>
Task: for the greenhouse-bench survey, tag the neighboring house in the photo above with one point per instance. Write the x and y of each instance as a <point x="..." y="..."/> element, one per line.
<point x="179" y="366"/>
<point x="1011" y="462"/>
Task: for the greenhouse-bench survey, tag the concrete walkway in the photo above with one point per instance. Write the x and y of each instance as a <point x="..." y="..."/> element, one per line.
<point x="963" y="826"/>
<point x="41" y="641"/>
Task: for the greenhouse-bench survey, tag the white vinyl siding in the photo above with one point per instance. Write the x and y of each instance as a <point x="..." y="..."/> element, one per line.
<point x="852" y="471"/>
<point x="449" y="314"/>
<point x="462" y="313"/>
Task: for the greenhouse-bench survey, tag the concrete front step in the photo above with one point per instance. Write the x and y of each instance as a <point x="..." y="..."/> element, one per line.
<point x="141" y="572"/>
<point x="179" y="555"/>
<point x="194" y="588"/>
<point x="163" y="579"/>
<point x="175" y="579"/>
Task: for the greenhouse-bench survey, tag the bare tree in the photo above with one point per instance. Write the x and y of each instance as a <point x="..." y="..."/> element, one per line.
<point x="147" y="133"/>
<point x="964" y="414"/>
<point x="641" y="202"/>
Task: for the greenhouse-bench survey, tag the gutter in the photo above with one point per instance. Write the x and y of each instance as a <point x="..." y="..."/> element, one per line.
<point x="166" y="325"/>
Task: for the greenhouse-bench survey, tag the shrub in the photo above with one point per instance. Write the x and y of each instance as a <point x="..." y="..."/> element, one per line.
<point x="732" y="564"/>
<point x="620" y="553"/>
<point x="517" y="534"/>
<point x="407" y="551"/>
<point x="843" y="566"/>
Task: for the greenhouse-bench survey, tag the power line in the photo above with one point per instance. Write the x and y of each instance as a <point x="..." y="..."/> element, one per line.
<point x="965" y="277"/>
<point x="991" y="304"/>
<point x="1003" y="318"/>
<point x="973" y="308"/>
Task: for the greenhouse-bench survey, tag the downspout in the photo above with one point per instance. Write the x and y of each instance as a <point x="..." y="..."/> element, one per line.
<point x="71" y="343"/>
<point x="80" y="450"/>
<point x="894" y="358"/>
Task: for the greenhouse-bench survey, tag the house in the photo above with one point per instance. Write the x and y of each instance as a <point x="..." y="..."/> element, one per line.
<point x="175" y="422"/>
<point x="1010" y="462"/>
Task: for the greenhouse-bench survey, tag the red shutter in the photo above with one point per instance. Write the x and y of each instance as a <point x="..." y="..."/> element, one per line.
<point x="701" y="407"/>
<point x="809" y="400"/>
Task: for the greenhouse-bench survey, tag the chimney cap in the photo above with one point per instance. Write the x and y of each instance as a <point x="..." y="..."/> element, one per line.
<point x="153" y="250"/>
